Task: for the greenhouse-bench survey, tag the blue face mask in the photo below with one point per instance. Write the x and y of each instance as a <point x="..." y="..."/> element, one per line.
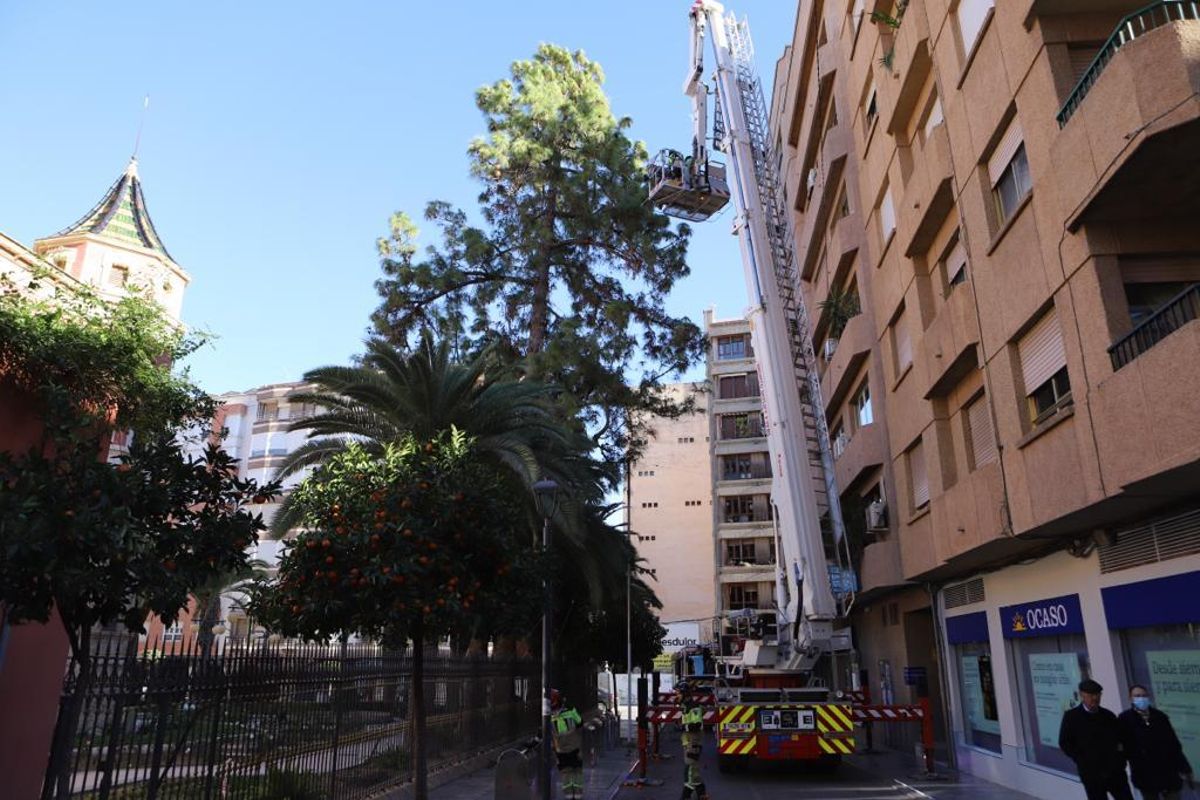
<point x="1141" y="703"/>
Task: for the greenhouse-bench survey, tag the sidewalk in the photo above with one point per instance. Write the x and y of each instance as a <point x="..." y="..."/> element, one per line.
<point x="902" y="769"/>
<point x="601" y="781"/>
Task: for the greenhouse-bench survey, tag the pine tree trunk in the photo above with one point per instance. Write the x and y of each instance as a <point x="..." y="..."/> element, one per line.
<point x="539" y="317"/>
<point x="417" y="715"/>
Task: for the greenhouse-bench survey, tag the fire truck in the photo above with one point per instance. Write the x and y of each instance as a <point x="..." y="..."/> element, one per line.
<point x="776" y="692"/>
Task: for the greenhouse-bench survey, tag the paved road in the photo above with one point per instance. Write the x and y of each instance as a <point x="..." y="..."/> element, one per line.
<point x="888" y="776"/>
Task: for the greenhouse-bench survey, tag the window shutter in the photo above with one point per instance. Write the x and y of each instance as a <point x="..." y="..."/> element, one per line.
<point x="956" y="260"/>
<point x="1082" y="57"/>
<point x="971" y="16"/>
<point x="1042" y="352"/>
<point x="903" y="343"/>
<point x="1004" y="151"/>
<point x="983" y="442"/>
<point x="887" y="215"/>
<point x="920" y="477"/>
<point x="1160" y="269"/>
<point x="857" y="13"/>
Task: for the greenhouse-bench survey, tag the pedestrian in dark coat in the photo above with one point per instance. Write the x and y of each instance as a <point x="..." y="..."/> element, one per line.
<point x="1155" y="755"/>
<point x="1091" y="736"/>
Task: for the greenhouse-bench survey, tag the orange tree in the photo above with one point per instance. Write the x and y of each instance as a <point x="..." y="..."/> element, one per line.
<point x="410" y="542"/>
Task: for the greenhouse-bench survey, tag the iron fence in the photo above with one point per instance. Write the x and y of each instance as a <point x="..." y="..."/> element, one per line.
<point x="273" y="720"/>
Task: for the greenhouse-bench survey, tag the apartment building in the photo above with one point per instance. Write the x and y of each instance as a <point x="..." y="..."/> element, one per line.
<point x="1007" y="195"/>
<point x="743" y="525"/>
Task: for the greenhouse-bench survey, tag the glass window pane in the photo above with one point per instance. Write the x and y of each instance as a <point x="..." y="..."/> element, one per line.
<point x="1166" y="659"/>
<point x="1048" y="671"/>
<point x="981" y="719"/>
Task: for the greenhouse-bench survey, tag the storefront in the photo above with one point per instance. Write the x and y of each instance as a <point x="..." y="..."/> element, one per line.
<point x="1015" y="651"/>
<point x="1157" y="623"/>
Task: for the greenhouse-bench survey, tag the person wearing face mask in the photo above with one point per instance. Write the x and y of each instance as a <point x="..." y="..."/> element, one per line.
<point x="1155" y="755"/>
<point x="1091" y="736"/>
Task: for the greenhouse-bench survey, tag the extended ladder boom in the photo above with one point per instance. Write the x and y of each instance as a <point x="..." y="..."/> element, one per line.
<point x="803" y="486"/>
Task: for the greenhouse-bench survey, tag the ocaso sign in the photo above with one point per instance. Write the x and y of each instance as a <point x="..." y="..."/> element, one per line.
<point x="1050" y="617"/>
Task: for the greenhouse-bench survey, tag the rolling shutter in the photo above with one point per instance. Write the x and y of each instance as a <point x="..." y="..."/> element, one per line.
<point x="1004" y="151"/>
<point x="887" y="215"/>
<point x="903" y="343"/>
<point x="1042" y="352"/>
<point x="919" y="475"/>
<point x="983" y="442"/>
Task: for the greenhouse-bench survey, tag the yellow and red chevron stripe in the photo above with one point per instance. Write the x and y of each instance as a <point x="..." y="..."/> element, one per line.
<point x="739" y="714"/>
<point x="834" y="719"/>
<point x="835" y="746"/>
<point x="738" y="747"/>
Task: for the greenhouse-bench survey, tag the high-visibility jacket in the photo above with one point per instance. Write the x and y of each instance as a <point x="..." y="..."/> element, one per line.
<point x="693" y="718"/>
<point x="568" y="736"/>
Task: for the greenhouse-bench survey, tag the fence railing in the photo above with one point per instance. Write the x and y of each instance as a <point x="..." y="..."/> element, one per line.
<point x="1180" y="310"/>
<point x="279" y="720"/>
<point x="1131" y="27"/>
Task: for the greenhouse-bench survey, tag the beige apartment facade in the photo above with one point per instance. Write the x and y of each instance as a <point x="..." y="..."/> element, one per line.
<point x="669" y="510"/>
<point x="1011" y="191"/>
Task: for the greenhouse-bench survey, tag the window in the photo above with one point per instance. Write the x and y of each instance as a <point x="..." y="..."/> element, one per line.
<point x="649" y="505"/>
<point x="843" y="204"/>
<point x="918" y="477"/>
<point x="687" y="440"/>
<point x="982" y="438"/>
<point x="743" y="596"/>
<point x="972" y="14"/>
<point x="901" y="344"/>
<point x="887" y="216"/>
<point x="934" y="119"/>
<point x="739" y="553"/>
<point x="268" y="411"/>
<point x="733" y="387"/>
<point x="118" y="275"/>
<point x="1044" y="368"/>
<point x="1048" y="669"/>
<point x="1080" y="57"/>
<point x="1008" y="171"/>
<point x="870" y="110"/>
<point x="172" y="633"/>
<point x="693" y="503"/>
<point x="862" y="405"/>
<point x="1146" y="298"/>
<point x="968" y="636"/>
<point x="741" y="426"/>
<point x="744" y="466"/>
<point x="954" y="268"/>
<point x="747" y="508"/>
<point x="730" y="348"/>
<point x="891" y="614"/>
<point x="838" y="440"/>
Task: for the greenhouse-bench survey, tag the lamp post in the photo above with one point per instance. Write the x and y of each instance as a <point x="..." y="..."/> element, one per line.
<point x="545" y="494"/>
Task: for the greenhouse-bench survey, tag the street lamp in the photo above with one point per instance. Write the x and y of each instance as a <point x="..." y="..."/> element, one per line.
<point x="545" y="495"/>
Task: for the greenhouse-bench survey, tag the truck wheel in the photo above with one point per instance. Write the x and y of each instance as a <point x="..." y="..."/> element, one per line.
<point x="829" y="764"/>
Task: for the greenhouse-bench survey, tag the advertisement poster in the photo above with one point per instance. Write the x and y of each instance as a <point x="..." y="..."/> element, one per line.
<point x="1055" y="678"/>
<point x="979" y="696"/>
<point x="1175" y="683"/>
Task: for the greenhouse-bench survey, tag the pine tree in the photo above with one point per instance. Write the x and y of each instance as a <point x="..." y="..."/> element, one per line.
<point x="570" y="269"/>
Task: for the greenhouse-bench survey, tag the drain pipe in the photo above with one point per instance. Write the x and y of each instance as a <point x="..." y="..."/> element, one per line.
<point x="947" y="662"/>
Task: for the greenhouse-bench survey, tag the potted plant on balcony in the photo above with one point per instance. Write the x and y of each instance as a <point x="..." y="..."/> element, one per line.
<point x="840" y="306"/>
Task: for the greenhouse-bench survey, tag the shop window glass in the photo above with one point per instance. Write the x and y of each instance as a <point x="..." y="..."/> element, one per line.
<point x="1048" y="670"/>
<point x="1166" y="659"/>
<point x="981" y="719"/>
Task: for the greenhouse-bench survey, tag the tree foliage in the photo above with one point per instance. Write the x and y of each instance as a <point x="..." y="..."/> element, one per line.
<point x="571" y="268"/>
<point x="421" y="535"/>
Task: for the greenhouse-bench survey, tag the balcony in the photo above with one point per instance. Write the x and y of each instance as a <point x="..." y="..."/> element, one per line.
<point x="1181" y="310"/>
<point x="928" y="196"/>
<point x="747" y="573"/>
<point x="1130" y="126"/>
<point x="866" y="450"/>
<point x="1145" y="413"/>
<point x="948" y="346"/>
<point x="853" y="347"/>
<point x="831" y="161"/>
<point x="1133" y="26"/>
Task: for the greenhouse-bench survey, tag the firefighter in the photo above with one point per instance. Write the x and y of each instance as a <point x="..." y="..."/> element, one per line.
<point x="567" y="729"/>
<point x="693" y="740"/>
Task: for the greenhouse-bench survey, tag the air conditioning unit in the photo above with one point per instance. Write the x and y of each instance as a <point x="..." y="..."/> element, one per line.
<point x="877" y="515"/>
<point x="829" y="348"/>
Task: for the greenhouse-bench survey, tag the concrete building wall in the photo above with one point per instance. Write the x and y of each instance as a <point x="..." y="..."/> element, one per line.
<point x="670" y="511"/>
<point x="998" y="218"/>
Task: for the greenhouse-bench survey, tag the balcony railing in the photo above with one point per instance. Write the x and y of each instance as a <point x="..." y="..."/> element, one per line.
<point x="1179" y="311"/>
<point x="754" y="472"/>
<point x="1131" y="27"/>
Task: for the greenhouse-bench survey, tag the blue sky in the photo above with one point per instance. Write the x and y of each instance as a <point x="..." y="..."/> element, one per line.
<point x="280" y="138"/>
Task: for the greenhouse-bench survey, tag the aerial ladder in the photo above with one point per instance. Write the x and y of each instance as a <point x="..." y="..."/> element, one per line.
<point x="810" y="530"/>
<point x="776" y="703"/>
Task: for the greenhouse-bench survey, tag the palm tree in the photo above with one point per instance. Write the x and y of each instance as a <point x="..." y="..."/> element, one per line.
<point x="208" y="598"/>
<point x="392" y="393"/>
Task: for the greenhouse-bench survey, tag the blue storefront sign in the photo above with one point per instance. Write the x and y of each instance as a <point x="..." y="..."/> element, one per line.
<point x="1053" y="617"/>
<point x="967" y="628"/>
